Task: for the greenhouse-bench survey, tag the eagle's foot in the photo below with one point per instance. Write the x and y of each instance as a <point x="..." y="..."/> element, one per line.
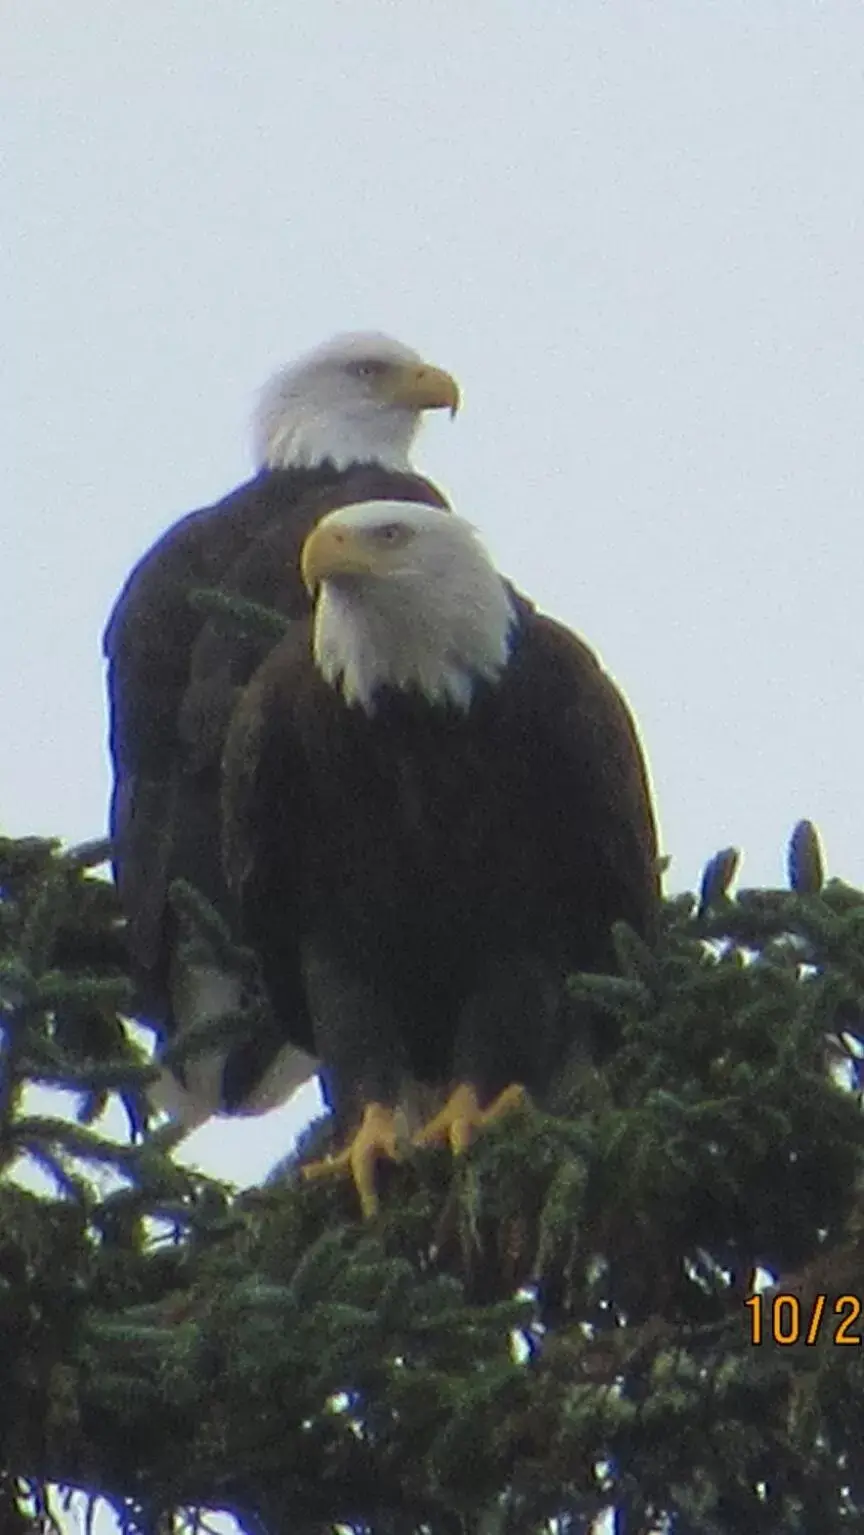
<point x="462" y="1116"/>
<point x="376" y="1139"/>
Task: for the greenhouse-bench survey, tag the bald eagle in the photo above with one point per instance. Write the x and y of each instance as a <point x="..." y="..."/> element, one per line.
<point x="335" y="427"/>
<point x="432" y="814"/>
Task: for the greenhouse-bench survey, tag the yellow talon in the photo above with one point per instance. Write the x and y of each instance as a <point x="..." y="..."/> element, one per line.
<point x="462" y="1116"/>
<point x="376" y="1139"/>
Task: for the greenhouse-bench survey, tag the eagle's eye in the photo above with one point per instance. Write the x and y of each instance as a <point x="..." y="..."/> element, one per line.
<point x="390" y="532"/>
<point x="369" y="368"/>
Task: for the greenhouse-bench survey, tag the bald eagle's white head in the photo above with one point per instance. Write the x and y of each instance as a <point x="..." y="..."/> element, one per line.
<point x="406" y="597"/>
<point x="356" y="399"/>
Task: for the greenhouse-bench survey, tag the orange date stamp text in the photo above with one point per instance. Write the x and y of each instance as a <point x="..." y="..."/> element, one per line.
<point x="784" y="1319"/>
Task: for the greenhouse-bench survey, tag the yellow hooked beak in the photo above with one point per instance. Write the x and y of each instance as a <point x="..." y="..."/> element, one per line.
<point x="421" y="387"/>
<point x="332" y="551"/>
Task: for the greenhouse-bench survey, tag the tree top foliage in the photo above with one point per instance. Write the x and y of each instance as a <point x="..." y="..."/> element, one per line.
<point x="561" y="1321"/>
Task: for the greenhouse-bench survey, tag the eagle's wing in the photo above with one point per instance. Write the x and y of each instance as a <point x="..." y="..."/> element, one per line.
<point x="228" y="650"/>
<point x="264" y="800"/>
<point x="591" y="739"/>
<point x="148" y="643"/>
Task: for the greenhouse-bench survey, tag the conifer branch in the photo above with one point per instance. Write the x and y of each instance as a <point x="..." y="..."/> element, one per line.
<point x="556" y="1323"/>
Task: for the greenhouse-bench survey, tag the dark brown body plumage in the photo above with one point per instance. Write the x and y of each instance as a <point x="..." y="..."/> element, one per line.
<point x="174" y="675"/>
<point x="419" y="881"/>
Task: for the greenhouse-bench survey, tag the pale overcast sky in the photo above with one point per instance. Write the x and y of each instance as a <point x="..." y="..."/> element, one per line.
<point x="633" y="230"/>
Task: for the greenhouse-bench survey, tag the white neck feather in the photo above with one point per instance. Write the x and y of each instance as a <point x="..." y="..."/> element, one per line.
<point x="305" y="443"/>
<point x="437" y="638"/>
<point x="293" y="432"/>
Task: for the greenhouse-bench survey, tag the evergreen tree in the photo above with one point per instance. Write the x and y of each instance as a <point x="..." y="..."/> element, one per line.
<point x="563" y="1320"/>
